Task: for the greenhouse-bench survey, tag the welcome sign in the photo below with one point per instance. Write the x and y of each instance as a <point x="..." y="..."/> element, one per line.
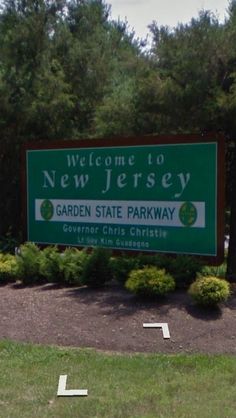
<point x="145" y="194"/>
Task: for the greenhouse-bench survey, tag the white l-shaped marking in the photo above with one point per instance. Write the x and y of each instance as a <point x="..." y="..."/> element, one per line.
<point x="164" y="326"/>
<point x="62" y="391"/>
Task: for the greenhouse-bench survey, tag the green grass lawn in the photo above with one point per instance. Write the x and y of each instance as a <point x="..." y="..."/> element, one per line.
<point x="119" y="386"/>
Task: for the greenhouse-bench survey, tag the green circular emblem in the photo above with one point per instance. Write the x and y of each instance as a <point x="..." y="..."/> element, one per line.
<point x="188" y="214"/>
<point x="47" y="210"/>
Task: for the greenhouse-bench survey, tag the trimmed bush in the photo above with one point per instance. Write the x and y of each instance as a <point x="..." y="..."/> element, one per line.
<point x="183" y="268"/>
<point x="28" y="263"/>
<point x="8" y="268"/>
<point x="150" y="281"/>
<point x="71" y="266"/>
<point x="97" y="269"/>
<point x="209" y="291"/>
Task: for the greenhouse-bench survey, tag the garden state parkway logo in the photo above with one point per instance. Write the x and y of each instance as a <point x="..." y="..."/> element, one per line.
<point x="47" y="210"/>
<point x="188" y="214"/>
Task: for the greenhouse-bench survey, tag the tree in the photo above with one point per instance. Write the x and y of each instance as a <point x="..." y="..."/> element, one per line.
<point x="57" y="59"/>
<point x="95" y="60"/>
<point x="26" y="65"/>
<point x="228" y="102"/>
<point x="196" y="66"/>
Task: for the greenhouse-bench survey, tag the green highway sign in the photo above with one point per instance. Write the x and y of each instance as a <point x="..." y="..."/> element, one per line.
<point x="153" y="194"/>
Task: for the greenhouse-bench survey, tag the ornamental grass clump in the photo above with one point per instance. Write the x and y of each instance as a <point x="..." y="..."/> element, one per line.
<point x="97" y="268"/>
<point x="49" y="264"/>
<point x="150" y="281"/>
<point x="28" y="263"/>
<point x="184" y="269"/>
<point x="71" y="266"/>
<point x="121" y="267"/>
<point x="209" y="291"/>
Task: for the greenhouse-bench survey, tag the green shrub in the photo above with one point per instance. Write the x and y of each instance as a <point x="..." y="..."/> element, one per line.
<point x="121" y="267"/>
<point x="209" y="291"/>
<point x="97" y="269"/>
<point x="161" y="261"/>
<point x="8" y="268"/>
<point x="49" y="264"/>
<point x="150" y="281"/>
<point x="71" y="266"/>
<point x="184" y="269"/>
<point x="28" y="263"/>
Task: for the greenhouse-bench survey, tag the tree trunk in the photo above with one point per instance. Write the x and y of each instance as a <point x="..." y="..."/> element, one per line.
<point x="231" y="260"/>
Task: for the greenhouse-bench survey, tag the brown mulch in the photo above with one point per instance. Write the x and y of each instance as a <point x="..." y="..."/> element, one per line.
<point x="112" y="319"/>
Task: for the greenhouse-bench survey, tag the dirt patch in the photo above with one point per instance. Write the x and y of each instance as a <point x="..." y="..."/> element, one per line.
<point x="112" y="319"/>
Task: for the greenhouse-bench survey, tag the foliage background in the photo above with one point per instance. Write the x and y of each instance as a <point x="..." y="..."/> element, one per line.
<point x="68" y="71"/>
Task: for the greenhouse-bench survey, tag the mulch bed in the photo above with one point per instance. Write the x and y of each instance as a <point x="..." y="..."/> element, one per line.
<point x="112" y="319"/>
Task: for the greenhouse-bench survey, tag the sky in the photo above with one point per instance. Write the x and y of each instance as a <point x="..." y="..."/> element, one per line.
<point x="141" y="13"/>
